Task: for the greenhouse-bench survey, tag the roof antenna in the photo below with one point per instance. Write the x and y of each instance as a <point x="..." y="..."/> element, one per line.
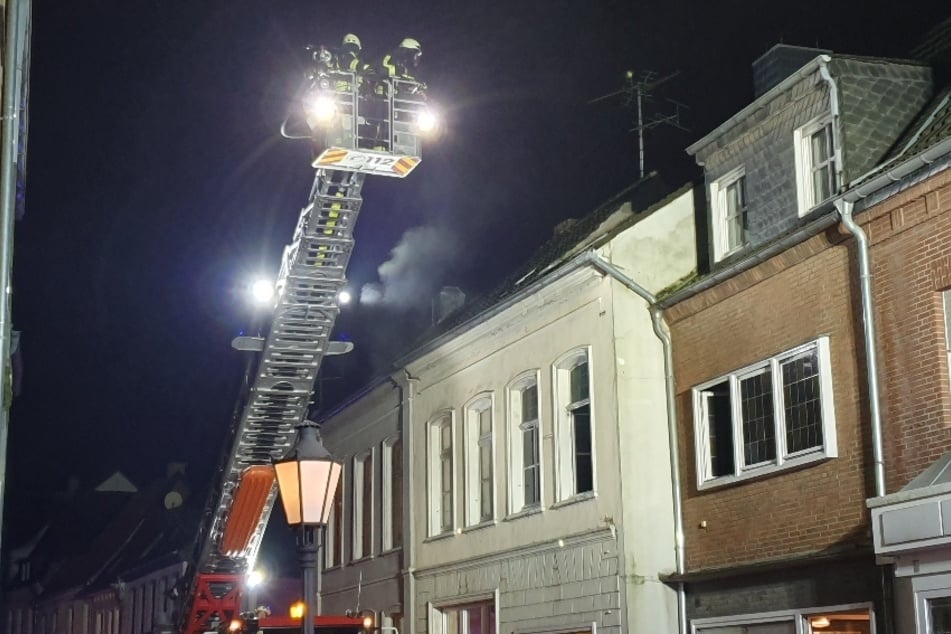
<point x="638" y="89"/>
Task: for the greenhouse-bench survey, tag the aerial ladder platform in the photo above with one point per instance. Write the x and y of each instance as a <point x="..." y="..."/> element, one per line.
<point x="356" y="132"/>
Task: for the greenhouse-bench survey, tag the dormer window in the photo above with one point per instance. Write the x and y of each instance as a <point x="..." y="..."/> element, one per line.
<point x="728" y="198"/>
<point x="815" y="164"/>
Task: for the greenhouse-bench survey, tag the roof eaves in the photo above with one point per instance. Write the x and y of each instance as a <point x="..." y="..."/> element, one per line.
<point x="758" y="103"/>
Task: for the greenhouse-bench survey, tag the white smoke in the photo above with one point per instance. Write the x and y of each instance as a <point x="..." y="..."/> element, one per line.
<point x="417" y="267"/>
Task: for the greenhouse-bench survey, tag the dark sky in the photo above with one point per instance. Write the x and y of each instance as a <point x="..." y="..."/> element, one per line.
<point x="158" y="182"/>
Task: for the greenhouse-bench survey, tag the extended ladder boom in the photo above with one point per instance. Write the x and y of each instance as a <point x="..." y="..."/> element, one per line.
<point x="279" y="392"/>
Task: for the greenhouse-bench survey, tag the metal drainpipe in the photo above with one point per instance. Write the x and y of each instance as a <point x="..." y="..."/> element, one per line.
<point x="844" y="207"/>
<point x="660" y="331"/>
<point x="409" y="544"/>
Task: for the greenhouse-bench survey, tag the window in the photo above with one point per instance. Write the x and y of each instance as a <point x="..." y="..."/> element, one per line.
<point x="728" y="198"/>
<point x="815" y="163"/>
<point x="333" y="538"/>
<point x="857" y="619"/>
<point x="441" y="475"/>
<point x="574" y="431"/>
<point x="774" y="414"/>
<point x="525" y="444"/>
<point x="392" y="494"/>
<point x="362" y="506"/>
<point x="480" y="465"/>
<point x="474" y="618"/>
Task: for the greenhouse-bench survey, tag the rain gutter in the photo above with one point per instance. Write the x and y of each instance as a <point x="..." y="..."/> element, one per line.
<point x="592" y="258"/>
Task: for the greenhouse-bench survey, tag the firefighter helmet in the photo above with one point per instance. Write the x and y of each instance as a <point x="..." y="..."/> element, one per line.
<point x="350" y="38"/>
<point x="412" y="44"/>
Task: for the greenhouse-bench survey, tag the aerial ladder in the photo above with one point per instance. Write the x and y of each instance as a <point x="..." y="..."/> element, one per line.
<point x="357" y="129"/>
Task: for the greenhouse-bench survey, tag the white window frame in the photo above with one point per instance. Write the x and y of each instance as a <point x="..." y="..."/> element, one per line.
<point x="386" y="525"/>
<point x="946" y="301"/>
<point x="565" y="476"/>
<point x="799" y="617"/>
<point x="434" y="473"/>
<point x="720" y="204"/>
<point x="361" y="523"/>
<point x="806" y="194"/>
<point x="438" y="614"/>
<point x="517" y="429"/>
<point x="783" y="460"/>
<point x="333" y="558"/>
<point x="475" y="441"/>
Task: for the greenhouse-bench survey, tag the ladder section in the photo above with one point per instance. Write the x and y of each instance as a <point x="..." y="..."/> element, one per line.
<point x="313" y="271"/>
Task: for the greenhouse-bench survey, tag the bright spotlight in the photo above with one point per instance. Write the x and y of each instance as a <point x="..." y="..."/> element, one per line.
<point x="262" y="291"/>
<point x="255" y="578"/>
<point x="297" y="610"/>
<point x="344" y="296"/>
<point x="427" y="121"/>
<point x="320" y="106"/>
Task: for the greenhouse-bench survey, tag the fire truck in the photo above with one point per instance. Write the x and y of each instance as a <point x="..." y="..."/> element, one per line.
<point x="358" y="126"/>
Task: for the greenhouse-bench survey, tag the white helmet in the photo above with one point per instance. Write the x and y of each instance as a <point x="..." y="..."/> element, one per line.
<point x="350" y="38"/>
<point x="411" y="44"/>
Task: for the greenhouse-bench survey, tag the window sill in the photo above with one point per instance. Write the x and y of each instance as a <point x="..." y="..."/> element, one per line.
<point x="333" y="567"/>
<point x="390" y="551"/>
<point x="525" y="512"/>
<point x="581" y="497"/>
<point x="360" y="560"/>
<point x="439" y="537"/>
<point x="476" y="527"/>
<point x="755" y="473"/>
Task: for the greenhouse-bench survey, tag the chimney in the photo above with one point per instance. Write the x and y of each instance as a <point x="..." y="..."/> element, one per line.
<point x="780" y="62"/>
<point x="451" y="299"/>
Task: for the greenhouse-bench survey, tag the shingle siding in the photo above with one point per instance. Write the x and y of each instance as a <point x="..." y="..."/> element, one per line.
<point x="877" y="102"/>
<point x="763" y="145"/>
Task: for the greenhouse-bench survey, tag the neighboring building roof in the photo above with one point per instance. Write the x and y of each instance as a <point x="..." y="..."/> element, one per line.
<point x="571" y="236"/>
<point x="938" y="473"/>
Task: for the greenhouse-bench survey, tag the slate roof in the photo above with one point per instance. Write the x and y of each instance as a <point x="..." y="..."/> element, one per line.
<point x="570" y="237"/>
<point x="931" y="127"/>
<point x="98" y="537"/>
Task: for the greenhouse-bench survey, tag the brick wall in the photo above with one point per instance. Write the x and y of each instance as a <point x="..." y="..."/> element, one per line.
<point x="910" y="237"/>
<point x="790" y="299"/>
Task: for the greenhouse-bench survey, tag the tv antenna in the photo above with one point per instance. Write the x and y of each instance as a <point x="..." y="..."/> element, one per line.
<point x="637" y="89"/>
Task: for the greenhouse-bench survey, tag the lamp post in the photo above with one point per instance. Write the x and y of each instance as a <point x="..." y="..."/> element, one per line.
<point x="307" y="479"/>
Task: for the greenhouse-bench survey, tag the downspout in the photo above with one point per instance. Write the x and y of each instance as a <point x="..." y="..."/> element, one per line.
<point x="844" y="208"/>
<point x="661" y="332"/>
<point x="406" y="389"/>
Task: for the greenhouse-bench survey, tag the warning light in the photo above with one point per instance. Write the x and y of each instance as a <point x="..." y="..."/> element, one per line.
<point x="297" y="610"/>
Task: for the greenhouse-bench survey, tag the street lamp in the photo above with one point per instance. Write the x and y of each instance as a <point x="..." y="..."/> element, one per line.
<point x="307" y="478"/>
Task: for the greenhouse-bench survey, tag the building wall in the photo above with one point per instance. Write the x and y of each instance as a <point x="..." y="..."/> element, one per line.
<point x="910" y="236"/>
<point x="788" y="300"/>
<point x="365" y="424"/>
<point x="763" y="144"/>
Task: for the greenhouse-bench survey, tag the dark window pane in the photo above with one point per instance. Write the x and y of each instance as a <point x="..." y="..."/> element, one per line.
<point x="720" y="427"/>
<point x="396" y="493"/>
<point x="581" y="426"/>
<point x="756" y="407"/>
<point x="530" y="403"/>
<point x="579" y="382"/>
<point x="801" y="402"/>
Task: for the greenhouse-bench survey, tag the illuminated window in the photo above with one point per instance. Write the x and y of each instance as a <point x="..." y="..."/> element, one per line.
<point x="474" y="618"/>
<point x="333" y="539"/>
<point x="363" y="506"/>
<point x="815" y="164"/>
<point x="525" y="444"/>
<point x="392" y="494"/>
<point x="574" y="431"/>
<point x="728" y="198"/>
<point x="441" y="475"/>
<point x="480" y="463"/>
<point x="771" y="415"/>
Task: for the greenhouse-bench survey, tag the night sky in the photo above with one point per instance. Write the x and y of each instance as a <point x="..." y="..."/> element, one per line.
<point x="158" y="184"/>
